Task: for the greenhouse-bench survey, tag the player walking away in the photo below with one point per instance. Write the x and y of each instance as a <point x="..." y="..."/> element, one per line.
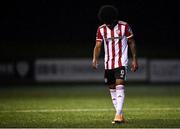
<point x="116" y="36"/>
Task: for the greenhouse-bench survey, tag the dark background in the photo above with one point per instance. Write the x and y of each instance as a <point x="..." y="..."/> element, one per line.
<point x="67" y="28"/>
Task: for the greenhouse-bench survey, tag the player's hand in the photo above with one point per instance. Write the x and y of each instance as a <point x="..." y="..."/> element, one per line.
<point x="134" y="65"/>
<point x="94" y="64"/>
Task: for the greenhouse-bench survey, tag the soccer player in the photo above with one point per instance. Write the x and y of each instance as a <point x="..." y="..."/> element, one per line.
<point x="116" y="36"/>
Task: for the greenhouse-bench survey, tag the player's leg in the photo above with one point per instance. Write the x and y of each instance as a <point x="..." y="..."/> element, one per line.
<point x="120" y="74"/>
<point x="112" y="90"/>
<point x="120" y="95"/>
<point x="110" y="81"/>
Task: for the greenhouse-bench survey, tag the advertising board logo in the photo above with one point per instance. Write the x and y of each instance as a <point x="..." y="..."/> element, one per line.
<point x="22" y="68"/>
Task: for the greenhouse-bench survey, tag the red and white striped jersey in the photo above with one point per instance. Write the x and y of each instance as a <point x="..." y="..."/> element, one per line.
<point x="115" y="44"/>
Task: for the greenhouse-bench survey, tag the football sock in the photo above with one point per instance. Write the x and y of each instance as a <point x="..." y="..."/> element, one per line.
<point x="113" y="96"/>
<point x="120" y="98"/>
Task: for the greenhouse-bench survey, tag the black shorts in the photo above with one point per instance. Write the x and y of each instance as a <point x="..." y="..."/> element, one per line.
<point x="110" y="76"/>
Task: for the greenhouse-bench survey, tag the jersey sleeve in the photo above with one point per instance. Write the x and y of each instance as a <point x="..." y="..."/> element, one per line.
<point x="99" y="35"/>
<point x="128" y="31"/>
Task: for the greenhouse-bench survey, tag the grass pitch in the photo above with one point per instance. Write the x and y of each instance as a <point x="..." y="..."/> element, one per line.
<point x="88" y="106"/>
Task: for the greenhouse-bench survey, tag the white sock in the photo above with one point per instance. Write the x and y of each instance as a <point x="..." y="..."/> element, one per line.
<point x="113" y="96"/>
<point x="120" y="98"/>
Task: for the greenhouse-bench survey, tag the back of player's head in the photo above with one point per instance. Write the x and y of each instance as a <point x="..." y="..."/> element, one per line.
<point x="108" y="14"/>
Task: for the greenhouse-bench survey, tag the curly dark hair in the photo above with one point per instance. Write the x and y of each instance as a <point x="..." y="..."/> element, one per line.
<point x="108" y="14"/>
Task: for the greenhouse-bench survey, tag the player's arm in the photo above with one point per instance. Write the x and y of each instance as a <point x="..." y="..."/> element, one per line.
<point x="132" y="45"/>
<point x="96" y="53"/>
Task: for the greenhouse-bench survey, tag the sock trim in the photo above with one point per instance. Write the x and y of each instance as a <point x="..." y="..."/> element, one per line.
<point x="119" y="87"/>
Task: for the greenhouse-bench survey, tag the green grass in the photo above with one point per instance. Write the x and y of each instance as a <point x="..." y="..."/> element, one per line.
<point x="88" y="106"/>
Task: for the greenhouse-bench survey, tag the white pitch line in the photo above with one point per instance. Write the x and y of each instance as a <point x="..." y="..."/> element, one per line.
<point x="60" y="110"/>
<point x="152" y="109"/>
<point x="88" y="110"/>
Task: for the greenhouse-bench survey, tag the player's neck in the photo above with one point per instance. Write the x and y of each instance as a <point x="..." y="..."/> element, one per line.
<point x="112" y="25"/>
